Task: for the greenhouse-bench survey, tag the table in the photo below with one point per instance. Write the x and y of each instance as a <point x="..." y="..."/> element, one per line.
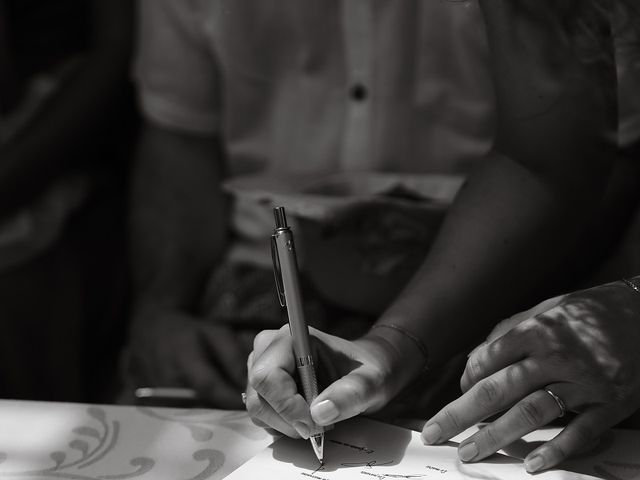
<point x="40" y="440"/>
<point x="97" y="442"/>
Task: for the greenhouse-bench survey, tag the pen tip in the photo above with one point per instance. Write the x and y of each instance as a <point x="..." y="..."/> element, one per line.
<point x="317" y="442"/>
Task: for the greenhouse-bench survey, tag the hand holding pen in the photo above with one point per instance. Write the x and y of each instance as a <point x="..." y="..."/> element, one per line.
<point x="362" y="376"/>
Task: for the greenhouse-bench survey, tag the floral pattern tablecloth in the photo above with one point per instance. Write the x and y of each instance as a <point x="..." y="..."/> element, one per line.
<point x="95" y="442"/>
<point x="40" y="440"/>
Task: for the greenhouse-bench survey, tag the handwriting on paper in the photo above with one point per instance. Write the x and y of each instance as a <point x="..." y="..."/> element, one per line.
<point x="363" y="449"/>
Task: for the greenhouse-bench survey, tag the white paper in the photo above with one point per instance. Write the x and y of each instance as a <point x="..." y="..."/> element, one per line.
<point x="368" y="450"/>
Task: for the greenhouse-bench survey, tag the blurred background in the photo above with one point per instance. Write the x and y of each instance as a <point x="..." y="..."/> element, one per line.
<point x="68" y="130"/>
<point x="67" y="126"/>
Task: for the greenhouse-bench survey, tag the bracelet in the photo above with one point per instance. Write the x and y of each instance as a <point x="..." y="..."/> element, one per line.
<point x="421" y="346"/>
<point x="629" y="283"/>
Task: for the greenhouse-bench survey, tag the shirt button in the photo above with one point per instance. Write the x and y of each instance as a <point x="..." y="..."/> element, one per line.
<point x="358" y="92"/>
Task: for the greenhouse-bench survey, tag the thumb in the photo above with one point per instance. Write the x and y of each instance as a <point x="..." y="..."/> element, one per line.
<point x="347" y="397"/>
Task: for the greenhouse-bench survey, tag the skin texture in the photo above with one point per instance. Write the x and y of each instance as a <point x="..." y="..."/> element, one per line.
<point x="361" y="377"/>
<point x="496" y="238"/>
<point x="581" y="346"/>
<point x="519" y="214"/>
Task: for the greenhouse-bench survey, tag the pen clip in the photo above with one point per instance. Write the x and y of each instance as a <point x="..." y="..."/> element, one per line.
<point x="277" y="273"/>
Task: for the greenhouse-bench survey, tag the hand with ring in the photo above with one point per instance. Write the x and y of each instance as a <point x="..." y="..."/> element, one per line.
<point x="579" y="352"/>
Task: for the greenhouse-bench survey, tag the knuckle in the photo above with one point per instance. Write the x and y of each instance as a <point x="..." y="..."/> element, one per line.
<point x="261" y="339"/>
<point x="286" y="408"/>
<point x="473" y="368"/>
<point x="374" y="382"/>
<point x="452" y="419"/>
<point x="371" y="383"/>
<point x="360" y="388"/>
<point x="260" y="379"/>
<point x="555" y="452"/>
<point x="537" y="328"/>
<point x="547" y="320"/>
<point x="531" y="324"/>
<point x="489" y="393"/>
<point x="582" y="434"/>
<point x="560" y="353"/>
<point x="256" y="408"/>
<point x="517" y="374"/>
<point x="530" y="413"/>
<point x="491" y="439"/>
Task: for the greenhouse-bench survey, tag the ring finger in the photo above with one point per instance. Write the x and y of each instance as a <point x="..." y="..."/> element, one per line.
<point x="531" y="413"/>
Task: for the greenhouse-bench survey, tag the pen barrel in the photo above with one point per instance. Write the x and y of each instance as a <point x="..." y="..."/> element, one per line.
<point x="292" y="292"/>
<point x="307" y="373"/>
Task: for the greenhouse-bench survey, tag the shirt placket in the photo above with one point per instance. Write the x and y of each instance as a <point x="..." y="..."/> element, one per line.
<point x="358" y="28"/>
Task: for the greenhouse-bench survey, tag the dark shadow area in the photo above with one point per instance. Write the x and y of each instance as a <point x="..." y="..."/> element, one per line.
<point x="67" y="126"/>
<point x="347" y="446"/>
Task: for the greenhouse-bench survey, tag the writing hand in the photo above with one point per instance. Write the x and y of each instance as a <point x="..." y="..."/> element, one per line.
<point x="583" y="347"/>
<point x="171" y="348"/>
<point x="362" y="376"/>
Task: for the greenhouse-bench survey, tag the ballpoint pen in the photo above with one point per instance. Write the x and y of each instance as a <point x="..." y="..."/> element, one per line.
<point x="285" y="269"/>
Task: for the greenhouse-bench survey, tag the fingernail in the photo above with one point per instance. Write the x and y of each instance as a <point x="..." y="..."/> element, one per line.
<point x="324" y="412"/>
<point x="431" y="434"/>
<point x="468" y="452"/>
<point x="302" y="430"/>
<point x="534" y="463"/>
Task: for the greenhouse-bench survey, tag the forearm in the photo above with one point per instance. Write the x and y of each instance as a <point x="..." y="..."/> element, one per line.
<point x="522" y="211"/>
<point x="178" y="219"/>
<point x="74" y="115"/>
<point x="507" y="232"/>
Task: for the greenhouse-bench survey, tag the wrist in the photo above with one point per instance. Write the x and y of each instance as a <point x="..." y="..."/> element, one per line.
<point x="405" y="355"/>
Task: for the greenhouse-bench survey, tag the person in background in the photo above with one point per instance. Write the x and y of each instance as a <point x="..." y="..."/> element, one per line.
<point x="278" y="89"/>
<point x="63" y="127"/>
<point x="274" y="92"/>
<point x="571" y="353"/>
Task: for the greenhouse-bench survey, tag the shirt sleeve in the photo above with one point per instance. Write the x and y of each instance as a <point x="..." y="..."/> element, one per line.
<point x="174" y="68"/>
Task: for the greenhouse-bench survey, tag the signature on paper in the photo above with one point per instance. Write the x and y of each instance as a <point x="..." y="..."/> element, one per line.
<point x="382" y="476"/>
<point x="370" y="464"/>
<point x="355" y="447"/>
<point x="437" y="469"/>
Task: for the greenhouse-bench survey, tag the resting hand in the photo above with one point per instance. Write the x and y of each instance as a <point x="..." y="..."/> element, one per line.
<point x="173" y="349"/>
<point x="583" y="347"/>
<point x="362" y="376"/>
